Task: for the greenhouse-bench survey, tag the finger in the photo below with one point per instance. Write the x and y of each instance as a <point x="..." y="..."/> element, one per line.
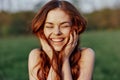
<point x="75" y="38"/>
<point x="70" y="39"/>
<point x="44" y="43"/>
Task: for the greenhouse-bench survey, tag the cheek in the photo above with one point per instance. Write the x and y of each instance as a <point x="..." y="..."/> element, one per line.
<point x="66" y="32"/>
<point x="47" y="33"/>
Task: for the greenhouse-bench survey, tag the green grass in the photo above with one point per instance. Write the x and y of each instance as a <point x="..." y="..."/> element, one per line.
<point x="106" y="44"/>
<point x="13" y="57"/>
<point x="107" y="48"/>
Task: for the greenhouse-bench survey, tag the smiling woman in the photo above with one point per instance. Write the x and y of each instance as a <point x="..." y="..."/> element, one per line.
<point x="57" y="28"/>
<point x="58" y="25"/>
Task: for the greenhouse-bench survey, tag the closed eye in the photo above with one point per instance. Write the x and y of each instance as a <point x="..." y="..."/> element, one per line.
<point x="49" y="27"/>
<point x="65" y="26"/>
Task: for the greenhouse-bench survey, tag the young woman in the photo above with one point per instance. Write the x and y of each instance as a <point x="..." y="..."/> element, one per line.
<point x="58" y="25"/>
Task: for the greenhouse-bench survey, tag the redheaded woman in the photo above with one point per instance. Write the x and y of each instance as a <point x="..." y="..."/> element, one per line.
<point x="58" y="25"/>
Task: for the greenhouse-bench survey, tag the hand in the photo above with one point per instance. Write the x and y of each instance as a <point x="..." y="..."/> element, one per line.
<point x="46" y="47"/>
<point x="71" y="44"/>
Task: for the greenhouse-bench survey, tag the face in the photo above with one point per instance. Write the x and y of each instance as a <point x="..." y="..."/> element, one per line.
<point x="57" y="28"/>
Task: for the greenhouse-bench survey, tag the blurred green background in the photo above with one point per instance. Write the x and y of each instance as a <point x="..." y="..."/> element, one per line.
<point x="17" y="40"/>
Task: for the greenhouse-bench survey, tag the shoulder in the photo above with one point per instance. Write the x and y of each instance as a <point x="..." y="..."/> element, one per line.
<point x="87" y="55"/>
<point x="86" y="63"/>
<point x="88" y="52"/>
<point x="33" y="60"/>
<point x="34" y="53"/>
<point x="34" y="57"/>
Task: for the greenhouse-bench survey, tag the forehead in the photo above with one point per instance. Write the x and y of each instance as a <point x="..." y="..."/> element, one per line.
<point x="57" y="15"/>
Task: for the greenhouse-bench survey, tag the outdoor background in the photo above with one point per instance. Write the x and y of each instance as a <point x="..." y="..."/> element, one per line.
<point x="17" y="40"/>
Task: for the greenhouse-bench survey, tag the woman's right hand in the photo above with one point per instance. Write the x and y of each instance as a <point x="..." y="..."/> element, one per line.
<point x="46" y="47"/>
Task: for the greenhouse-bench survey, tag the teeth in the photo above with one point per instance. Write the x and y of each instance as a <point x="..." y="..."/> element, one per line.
<point x="57" y="40"/>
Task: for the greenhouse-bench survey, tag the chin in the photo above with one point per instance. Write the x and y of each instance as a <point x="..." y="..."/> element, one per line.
<point x="58" y="48"/>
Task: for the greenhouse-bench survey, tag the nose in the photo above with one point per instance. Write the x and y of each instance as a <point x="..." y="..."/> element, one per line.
<point x="57" y="31"/>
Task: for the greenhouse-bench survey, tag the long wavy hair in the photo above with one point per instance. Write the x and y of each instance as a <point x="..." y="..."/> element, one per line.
<point x="78" y="24"/>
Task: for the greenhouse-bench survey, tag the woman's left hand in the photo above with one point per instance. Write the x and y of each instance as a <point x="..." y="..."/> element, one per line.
<point x="73" y="39"/>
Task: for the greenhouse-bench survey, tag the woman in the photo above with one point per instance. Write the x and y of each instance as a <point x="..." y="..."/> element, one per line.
<point x="58" y="25"/>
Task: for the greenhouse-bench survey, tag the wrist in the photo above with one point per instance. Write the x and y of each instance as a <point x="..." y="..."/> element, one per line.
<point x="65" y="64"/>
<point x="65" y="61"/>
<point x="66" y="57"/>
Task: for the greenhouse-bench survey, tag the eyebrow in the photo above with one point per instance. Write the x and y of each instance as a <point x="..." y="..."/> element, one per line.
<point x="49" y="23"/>
<point x="60" y="23"/>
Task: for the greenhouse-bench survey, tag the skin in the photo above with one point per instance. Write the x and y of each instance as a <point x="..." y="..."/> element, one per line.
<point x="57" y="28"/>
<point x="57" y="31"/>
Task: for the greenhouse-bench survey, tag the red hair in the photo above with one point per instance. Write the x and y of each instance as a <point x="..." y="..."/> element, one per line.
<point x="79" y="24"/>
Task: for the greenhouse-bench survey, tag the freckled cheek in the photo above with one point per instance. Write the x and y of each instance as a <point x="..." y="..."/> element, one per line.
<point x="66" y="32"/>
<point x="47" y="33"/>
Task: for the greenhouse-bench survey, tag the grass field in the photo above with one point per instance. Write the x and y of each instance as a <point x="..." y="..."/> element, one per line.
<point x="14" y="53"/>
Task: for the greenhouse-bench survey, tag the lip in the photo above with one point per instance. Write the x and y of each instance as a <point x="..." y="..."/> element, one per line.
<point x="57" y="41"/>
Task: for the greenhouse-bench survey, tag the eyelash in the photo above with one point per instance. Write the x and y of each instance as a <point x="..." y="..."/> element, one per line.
<point x="49" y="26"/>
<point x="62" y="26"/>
<point x="65" y="26"/>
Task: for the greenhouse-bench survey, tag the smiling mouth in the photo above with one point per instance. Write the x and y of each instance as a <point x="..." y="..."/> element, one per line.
<point x="57" y="40"/>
